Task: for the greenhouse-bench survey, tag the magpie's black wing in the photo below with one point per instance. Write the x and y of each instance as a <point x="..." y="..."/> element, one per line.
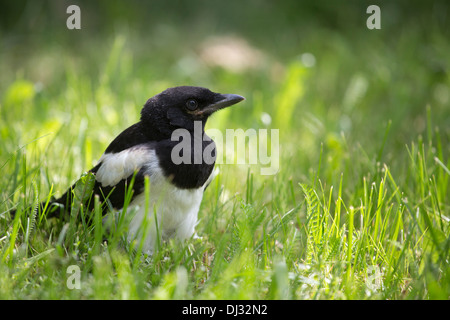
<point x="130" y="155"/>
<point x="130" y="137"/>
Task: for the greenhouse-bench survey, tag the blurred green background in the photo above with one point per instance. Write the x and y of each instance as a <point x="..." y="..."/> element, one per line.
<point x="354" y="79"/>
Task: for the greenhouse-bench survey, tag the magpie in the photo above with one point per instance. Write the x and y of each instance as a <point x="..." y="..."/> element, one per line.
<point x="146" y="149"/>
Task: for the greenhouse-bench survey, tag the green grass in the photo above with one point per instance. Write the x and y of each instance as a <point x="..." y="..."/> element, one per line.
<point x="358" y="210"/>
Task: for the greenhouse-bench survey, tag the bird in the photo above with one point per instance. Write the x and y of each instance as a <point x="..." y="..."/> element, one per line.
<point x="148" y="149"/>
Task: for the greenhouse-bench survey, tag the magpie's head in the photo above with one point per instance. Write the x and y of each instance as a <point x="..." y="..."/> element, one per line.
<point x="179" y="107"/>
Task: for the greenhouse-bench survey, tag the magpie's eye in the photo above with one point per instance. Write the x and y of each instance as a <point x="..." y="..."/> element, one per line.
<point x="191" y="104"/>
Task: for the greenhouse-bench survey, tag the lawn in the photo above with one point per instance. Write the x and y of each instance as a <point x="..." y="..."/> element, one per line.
<point x="359" y="208"/>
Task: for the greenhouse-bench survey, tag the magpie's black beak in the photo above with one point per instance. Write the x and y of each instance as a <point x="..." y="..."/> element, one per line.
<point x="223" y="101"/>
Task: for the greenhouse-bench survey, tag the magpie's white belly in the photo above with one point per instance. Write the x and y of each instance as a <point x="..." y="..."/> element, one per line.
<point x="176" y="213"/>
<point x="175" y="209"/>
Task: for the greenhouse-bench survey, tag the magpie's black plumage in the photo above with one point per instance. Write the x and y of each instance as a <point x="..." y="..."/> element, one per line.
<point x="145" y="149"/>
